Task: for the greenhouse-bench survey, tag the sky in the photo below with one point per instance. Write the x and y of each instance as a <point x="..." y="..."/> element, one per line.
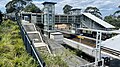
<point x="106" y="7"/>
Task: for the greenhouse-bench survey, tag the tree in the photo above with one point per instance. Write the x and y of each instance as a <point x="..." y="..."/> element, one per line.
<point x="93" y="10"/>
<point x="19" y="4"/>
<point x="117" y="12"/>
<point x="10" y="7"/>
<point x="32" y="8"/>
<point x="112" y="20"/>
<point x="1" y="17"/>
<point x="66" y="9"/>
<point x="14" y="5"/>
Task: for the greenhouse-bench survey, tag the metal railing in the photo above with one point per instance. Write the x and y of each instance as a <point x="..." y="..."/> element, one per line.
<point x="99" y="64"/>
<point x="83" y="22"/>
<point x="45" y="39"/>
<point x="30" y="48"/>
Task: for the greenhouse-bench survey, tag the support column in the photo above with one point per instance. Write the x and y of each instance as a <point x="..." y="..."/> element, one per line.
<point x="98" y="47"/>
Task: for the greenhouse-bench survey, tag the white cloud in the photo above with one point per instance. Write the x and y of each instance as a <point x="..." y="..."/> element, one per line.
<point x="106" y="6"/>
<point x="3" y="3"/>
<point x="38" y="4"/>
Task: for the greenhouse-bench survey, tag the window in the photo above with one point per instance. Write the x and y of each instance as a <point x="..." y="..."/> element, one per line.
<point x="50" y="27"/>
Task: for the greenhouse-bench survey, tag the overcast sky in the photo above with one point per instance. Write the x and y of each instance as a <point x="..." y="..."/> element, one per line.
<point x="106" y="7"/>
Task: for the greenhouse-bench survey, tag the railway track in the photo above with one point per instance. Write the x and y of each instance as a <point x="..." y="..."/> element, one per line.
<point x="66" y="55"/>
<point x="111" y="51"/>
<point x="92" y="42"/>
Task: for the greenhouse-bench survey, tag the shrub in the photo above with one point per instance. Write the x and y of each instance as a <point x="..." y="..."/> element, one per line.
<point x="12" y="50"/>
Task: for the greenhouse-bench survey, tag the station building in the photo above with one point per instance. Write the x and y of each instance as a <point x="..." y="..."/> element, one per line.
<point x="76" y="19"/>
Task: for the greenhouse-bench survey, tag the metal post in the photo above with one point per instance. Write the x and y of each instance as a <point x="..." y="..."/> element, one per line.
<point x="102" y="63"/>
<point x="98" y="48"/>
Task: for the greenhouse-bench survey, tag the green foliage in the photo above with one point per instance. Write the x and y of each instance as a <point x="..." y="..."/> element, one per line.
<point x="1" y="16"/>
<point x="16" y="5"/>
<point x="112" y="20"/>
<point x="117" y="12"/>
<point x="53" y="61"/>
<point x="93" y="10"/>
<point x="12" y="50"/>
<point x="32" y="8"/>
<point x="59" y="60"/>
<point x="56" y="60"/>
<point x="66" y="9"/>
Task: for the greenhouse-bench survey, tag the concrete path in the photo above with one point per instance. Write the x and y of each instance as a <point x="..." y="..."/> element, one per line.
<point x="70" y="58"/>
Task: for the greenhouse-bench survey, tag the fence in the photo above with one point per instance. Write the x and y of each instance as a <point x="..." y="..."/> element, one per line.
<point x="95" y="64"/>
<point x="30" y="47"/>
<point x="45" y="39"/>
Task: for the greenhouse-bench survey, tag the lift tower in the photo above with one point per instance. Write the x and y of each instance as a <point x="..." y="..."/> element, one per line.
<point x="49" y="17"/>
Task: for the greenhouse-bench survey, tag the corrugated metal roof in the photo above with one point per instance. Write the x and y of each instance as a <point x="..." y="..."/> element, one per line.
<point x="112" y="43"/>
<point x="49" y="3"/>
<point x="103" y="31"/>
<point x="56" y="33"/>
<point x="99" y="21"/>
<point x="116" y="31"/>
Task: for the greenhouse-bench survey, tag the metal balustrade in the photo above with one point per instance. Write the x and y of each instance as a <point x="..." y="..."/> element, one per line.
<point x="30" y="48"/>
<point x="100" y="64"/>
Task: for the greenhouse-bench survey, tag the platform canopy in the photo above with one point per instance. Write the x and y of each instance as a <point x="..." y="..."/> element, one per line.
<point x="49" y="3"/>
<point x="98" y="20"/>
<point x="102" y="31"/>
<point x="112" y="43"/>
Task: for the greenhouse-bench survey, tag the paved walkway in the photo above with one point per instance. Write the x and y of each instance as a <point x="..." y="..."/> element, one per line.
<point x="66" y="55"/>
<point x="70" y="58"/>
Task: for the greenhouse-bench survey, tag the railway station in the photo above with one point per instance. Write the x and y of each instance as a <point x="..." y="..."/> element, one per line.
<point x="53" y="33"/>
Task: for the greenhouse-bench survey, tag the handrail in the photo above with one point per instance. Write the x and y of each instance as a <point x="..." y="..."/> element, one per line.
<point x="33" y="52"/>
<point x="36" y="56"/>
<point x="45" y="40"/>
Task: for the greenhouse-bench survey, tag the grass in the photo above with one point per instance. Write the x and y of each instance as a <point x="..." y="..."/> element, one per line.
<point x="53" y="61"/>
<point x="59" y="60"/>
<point x="12" y="50"/>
